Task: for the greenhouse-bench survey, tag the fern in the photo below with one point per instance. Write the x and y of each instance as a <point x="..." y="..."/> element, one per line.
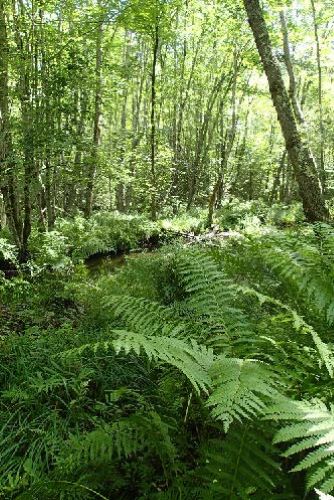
<point x="210" y="298"/>
<point x="311" y="429"/>
<point x="178" y="400"/>
<point x="300" y="325"/>
<point x="191" y="359"/>
<point x="122" y="439"/>
<point x="65" y="490"/>
<point x="143" y="316"/>
<point x="323" y="496"/>
<point x="240" y="466"/>
<point x="242" y="389"/>
<point x="306" y="267"/>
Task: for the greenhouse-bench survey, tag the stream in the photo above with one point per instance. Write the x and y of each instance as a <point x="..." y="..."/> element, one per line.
<point x="108" y="263"/>
<point x="101" y="263"/>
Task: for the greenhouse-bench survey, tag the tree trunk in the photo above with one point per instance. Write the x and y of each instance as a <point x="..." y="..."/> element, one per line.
<point x="321" y="118"/>
<point x="97" y="126"/>
<point x="288" y="63"/>
<point x="203" y="133"/>
<point x="179" y="118"/>
<point x="26" y="88"/>
<point x="300" y="156"/>
<point x="153" y="125"/>
<point x="226" y="143"/>
<point x="8" y="186"/>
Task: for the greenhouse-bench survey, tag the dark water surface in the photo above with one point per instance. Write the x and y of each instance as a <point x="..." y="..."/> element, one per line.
<point x="110" y="263"/>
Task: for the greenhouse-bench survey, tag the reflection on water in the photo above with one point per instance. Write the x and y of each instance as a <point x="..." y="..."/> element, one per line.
<point x="109" y="263"/>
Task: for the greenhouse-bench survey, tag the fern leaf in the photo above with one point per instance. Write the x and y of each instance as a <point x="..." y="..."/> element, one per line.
<point x="121" y="439"/>
<point x="242" y="389"/>
<point x="323" y="496"/>
<point x="325" y="353"/>
<point x="191" y="359"/>
<point x="240" y="466"/>
<point x="313" y="432"/>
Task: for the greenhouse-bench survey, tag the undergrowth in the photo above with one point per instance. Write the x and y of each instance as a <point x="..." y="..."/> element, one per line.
<point x="197" y="371"/>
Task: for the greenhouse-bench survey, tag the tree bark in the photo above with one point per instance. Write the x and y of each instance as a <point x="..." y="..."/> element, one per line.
<point x="7" y="176"/>
<point x="97" y="126"/>
<point x="289" y="66"/>
<point x="226" y="142"/>
<point x="321" y="118"/>
<point x="153" y="124"/>
<point x="300" y="156"/>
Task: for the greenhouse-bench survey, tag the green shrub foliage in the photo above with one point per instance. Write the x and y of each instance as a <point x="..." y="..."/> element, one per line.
<point x="198" y="371"/>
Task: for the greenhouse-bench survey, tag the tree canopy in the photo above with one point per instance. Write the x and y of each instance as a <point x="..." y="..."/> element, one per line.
<point x="166" y="249"/>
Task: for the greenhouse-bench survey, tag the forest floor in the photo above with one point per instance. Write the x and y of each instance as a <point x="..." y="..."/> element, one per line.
<point x="170" y="372"/>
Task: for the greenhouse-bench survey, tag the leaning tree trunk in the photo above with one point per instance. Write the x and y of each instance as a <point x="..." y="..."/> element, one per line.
<point x="300" y="156"/>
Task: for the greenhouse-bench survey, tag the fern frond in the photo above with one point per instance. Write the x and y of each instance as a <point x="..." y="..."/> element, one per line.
<point x="190" y="358"/>
<point x="311" y="431"/>
<point x="121" y="439"/>
<point x="307" y="266"/>
<point x="210" y="296"/>
<point x="143" y="316"/>
<point x="243" y="389"/>
<point x="65" y="490"/>
<point x="323" y="496"/>
<point x="300" y="325"/>
<point x="240" y="466"/>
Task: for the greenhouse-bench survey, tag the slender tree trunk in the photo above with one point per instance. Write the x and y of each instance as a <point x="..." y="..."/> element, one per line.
<point x="277" y="180"/>
<point x="25" y="46"/>
<point x="97" y="126"/>
<point x="29" y="166"/>
<point x="179" y="118"/>
<point x="153" y="124"/>
<point x="289" y="66"/>
<point x="321" y="113"/>
<point x="49" y="195"/>
<point x="240" y="153"/>
<point x="203" y="133"/>
<point x="121" y="187"/>
<point x="7" y="175"/>
<point x="227" y="141"/>
<point x="300" y="156"/>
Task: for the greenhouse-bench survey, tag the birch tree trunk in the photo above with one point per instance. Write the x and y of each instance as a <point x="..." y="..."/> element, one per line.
<point x="299" y="153"/>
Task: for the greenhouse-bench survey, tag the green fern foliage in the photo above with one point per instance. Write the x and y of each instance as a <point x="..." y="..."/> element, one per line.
<point x="64" y="490"/>
<point x="241" y="466"/>
<point x="305" y="265"/>
<point x="310" y="429"/>
<point x="210" y="295"/>
<point x="143" y="316"/>
<point x="324" y="350"/>
<point x="122" y="439"/>
<point x="185" y="374"/>
<point x="192" y="359"/>
<point x="243" y="389"/>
